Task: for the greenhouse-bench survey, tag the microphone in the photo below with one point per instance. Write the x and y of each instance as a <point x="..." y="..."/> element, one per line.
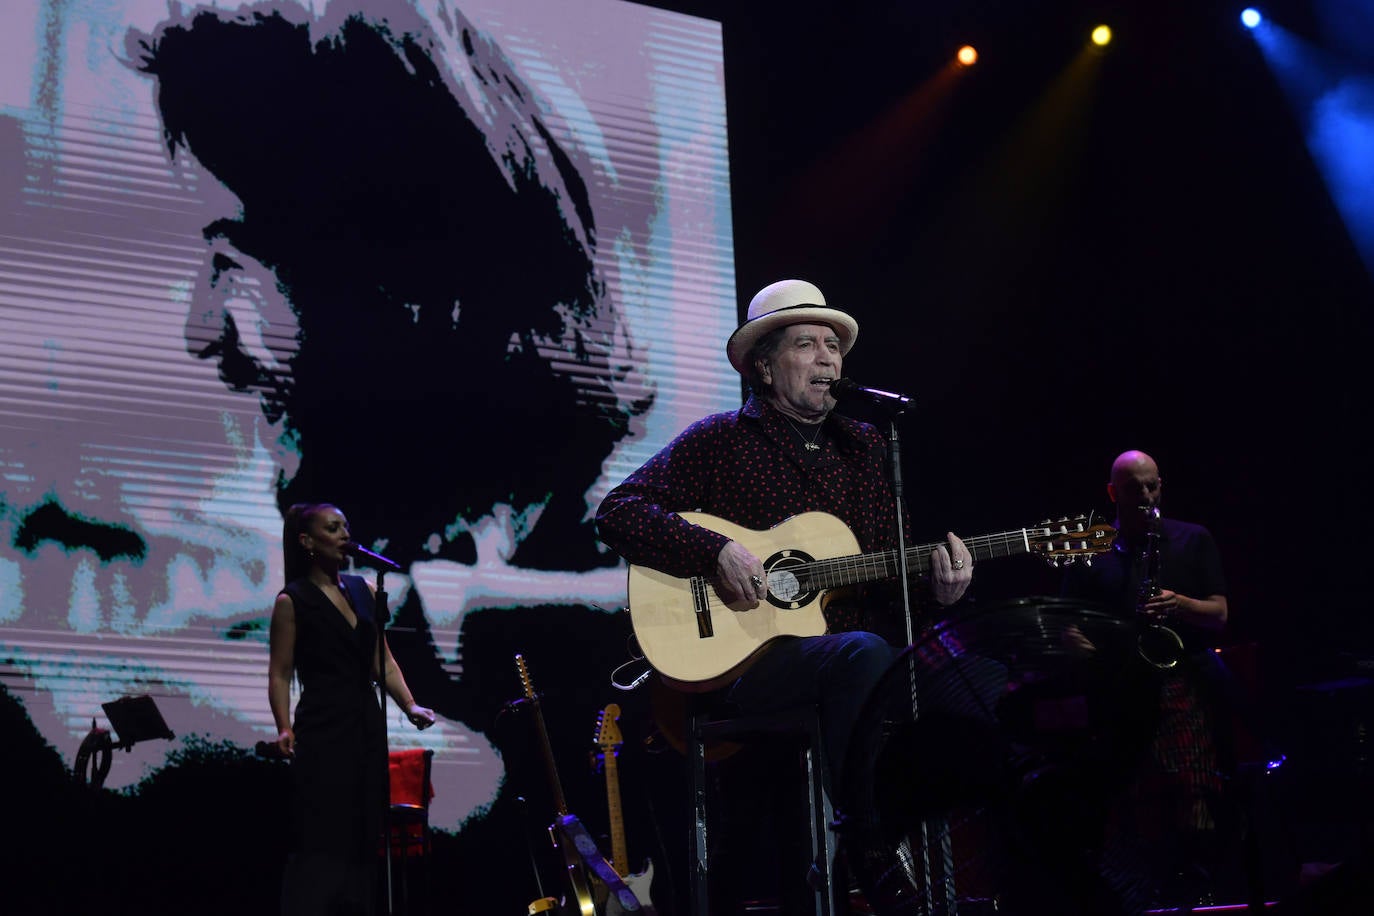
<point x="848" y="388"/>
<point x="354" y="549"/>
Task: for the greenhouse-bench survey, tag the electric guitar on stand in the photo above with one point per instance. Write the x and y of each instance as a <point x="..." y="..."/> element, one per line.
<point x="578" y="849"/>
<point x="608" y="740"/>
<point x="577" y="875"/>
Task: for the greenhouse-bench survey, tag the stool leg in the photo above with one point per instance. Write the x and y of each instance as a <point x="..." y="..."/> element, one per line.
<point x="820" y="876"/>
<point x="699" y="853"/>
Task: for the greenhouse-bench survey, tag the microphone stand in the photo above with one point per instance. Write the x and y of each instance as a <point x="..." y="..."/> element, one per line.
<point x="383" y="616"/>
<point x="941" y="828"/>
<point x="894" y="470"/>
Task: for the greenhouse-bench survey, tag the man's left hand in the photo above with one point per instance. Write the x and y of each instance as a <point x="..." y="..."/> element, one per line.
<point x="952" y="570"/>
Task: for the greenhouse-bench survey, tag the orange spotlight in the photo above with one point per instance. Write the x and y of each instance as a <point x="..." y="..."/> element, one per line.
<point x="1102" y="35"/>
<point x="967" y="56"/>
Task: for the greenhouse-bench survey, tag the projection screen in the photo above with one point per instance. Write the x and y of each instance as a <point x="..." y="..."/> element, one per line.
<point x="459" y="267"/>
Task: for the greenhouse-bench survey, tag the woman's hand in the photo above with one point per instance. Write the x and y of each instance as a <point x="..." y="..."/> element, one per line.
<point x="286" y="742"/>
<point x="422" y="717"/>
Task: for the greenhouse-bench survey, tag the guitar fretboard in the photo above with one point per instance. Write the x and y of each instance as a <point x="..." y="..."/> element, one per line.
<point x="871" y="567"/>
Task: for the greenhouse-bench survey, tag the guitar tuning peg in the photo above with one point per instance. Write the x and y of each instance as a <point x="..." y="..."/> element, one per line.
<point x="1056" y="561"/>
<point x="1088" y="560"/>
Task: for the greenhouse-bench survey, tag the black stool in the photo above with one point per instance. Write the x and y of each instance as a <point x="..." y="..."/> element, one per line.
<point x="798" y="723"/>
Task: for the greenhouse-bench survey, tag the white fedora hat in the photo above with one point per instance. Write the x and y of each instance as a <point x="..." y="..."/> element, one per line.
<point x="783" y="303"/>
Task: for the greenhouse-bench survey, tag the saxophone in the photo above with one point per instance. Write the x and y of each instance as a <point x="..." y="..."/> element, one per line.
<point x="1156" y="643"/>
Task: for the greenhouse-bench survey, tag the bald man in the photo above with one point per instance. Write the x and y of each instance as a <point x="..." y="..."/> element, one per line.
<point x="1174" y="805"/>
<point x="1188" y="555"/>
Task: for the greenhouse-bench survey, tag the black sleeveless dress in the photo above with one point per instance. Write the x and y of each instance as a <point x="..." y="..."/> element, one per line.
<point x="339" y="772"/>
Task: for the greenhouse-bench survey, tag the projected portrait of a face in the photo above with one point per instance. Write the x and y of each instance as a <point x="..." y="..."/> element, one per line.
<point x="346" y="251"/>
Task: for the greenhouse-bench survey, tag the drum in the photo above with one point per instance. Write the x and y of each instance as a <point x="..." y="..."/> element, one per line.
<point x="992" y="751"/>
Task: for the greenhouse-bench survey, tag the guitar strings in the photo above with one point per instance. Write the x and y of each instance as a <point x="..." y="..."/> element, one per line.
<point x="831" y="571"/>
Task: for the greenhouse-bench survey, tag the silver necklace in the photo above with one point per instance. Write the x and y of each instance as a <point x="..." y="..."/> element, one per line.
<point x="808" y="444"/>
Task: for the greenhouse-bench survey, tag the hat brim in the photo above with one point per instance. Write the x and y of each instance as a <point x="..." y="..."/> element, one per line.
<point x="747" y="334"/>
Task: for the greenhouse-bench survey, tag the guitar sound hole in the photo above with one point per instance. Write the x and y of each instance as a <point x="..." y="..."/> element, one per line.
<point x="783" y="585"/>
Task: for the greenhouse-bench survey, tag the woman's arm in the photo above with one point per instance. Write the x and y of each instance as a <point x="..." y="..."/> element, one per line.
<point x="280" y="666"/>
<point x="419" y="716"/>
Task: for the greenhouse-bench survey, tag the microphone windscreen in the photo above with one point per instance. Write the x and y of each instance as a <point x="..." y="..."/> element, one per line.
<point x="842" y="387"/>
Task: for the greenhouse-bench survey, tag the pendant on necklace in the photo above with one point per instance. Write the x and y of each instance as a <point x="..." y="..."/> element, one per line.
<point x="811" y="446"/>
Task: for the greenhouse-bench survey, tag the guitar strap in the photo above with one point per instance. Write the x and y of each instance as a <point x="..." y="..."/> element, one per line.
<point x="582" y="841"/>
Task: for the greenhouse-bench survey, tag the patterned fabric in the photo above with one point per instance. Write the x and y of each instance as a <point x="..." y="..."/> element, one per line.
<point x="751" y="467"/>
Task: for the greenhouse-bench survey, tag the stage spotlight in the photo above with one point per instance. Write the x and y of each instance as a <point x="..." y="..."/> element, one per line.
<point x="1250" y="17"/>
<point x="968" y="56"/>
<point x="1101" y="36"/>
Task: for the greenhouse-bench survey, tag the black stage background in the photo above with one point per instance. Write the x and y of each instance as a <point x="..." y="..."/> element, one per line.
<point x="1159" y="266"/>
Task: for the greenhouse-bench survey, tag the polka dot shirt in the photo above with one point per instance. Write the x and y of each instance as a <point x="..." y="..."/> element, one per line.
<point x="750" y="467"/>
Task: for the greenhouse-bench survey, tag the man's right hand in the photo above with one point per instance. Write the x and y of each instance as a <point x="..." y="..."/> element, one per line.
<point x="740" y="575"/>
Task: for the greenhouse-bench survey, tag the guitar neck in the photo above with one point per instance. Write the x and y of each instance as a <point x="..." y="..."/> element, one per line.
<point x="542" y="733"/>
<point x="550" y="767"/>
<point x="871" y="567"/>
<point x="619" y="852"/>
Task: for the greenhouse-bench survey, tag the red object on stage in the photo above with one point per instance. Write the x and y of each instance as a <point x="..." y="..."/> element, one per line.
<point x="411" y="791"/>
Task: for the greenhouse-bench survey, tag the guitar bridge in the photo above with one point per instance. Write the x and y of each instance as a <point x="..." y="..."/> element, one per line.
<point x="701" y="603"/>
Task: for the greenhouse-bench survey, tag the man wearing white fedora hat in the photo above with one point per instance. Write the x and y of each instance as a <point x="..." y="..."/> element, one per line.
<point x="782" y="454"/>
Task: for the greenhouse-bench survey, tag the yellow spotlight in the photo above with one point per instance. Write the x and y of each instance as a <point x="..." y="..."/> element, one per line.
<point x="967" y="56"/>
<point x="1101" y="36"/>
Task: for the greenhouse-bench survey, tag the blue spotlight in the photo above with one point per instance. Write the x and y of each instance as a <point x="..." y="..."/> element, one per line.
<point x="1250" y="17"/>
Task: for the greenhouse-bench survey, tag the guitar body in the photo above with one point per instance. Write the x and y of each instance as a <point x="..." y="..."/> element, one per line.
<point x="666" y="612"/>
<point x="581" y="901"/>
<point x="639" y="883"/>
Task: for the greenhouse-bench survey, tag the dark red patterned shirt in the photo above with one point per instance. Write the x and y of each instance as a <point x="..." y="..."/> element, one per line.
<point x="749" y="467"/>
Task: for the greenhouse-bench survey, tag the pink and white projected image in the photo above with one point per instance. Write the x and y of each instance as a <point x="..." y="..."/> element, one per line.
<point x="457" y="267"/>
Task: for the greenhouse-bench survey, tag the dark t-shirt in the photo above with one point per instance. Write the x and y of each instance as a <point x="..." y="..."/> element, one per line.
<point x="1189" y="564"/>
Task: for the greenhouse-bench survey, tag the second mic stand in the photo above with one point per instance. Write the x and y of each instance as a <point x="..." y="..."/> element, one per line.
<point x="383" y="615"/>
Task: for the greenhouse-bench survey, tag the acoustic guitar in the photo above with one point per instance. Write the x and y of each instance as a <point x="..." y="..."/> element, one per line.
<point x="698" y="642"/>
<point x="609" y="740"/>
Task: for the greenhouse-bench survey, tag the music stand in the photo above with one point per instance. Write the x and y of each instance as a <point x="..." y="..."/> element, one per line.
<point x="134" y="719"/>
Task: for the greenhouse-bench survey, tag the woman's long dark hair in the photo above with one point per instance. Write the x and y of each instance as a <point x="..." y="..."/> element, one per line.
<point x="295" y="560"/>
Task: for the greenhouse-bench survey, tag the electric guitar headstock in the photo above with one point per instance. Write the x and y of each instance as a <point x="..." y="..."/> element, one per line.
<point x="1070" y="540"/>
<point x="525" y="682"/>
<point x="608" y="736"/>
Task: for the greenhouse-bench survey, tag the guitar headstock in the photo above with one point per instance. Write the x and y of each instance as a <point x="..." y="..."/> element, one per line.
<point x="608" y="736"/>
<point x="525" y="682"/>
<point x="1070" y="540"/>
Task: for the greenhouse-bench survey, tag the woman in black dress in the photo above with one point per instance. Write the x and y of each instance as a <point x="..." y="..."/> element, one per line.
<point x="324" y="631"/>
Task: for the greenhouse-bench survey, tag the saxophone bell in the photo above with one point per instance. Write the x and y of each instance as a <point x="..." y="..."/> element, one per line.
<point x="1159" y="645"/>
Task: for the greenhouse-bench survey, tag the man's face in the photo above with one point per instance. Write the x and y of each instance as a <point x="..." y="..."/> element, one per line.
<point x="800" y="371"/>
<point x="1135" y="487"/>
